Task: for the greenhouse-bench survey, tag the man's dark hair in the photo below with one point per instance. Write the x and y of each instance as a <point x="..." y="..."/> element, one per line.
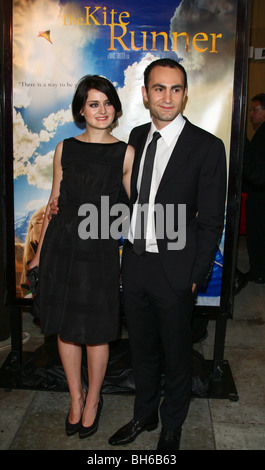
<point x="261" y="99"/>
<point x="164" y="63"/>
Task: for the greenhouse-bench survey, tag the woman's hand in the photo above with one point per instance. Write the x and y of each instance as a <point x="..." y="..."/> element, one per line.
<point x="33" y="263"/>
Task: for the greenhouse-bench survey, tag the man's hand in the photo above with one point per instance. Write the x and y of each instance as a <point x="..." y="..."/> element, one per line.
<point x="53" y="208"/>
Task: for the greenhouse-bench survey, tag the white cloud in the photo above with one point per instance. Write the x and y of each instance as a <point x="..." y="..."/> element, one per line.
<point x="134" y="112"/>
<point x="40" y="173"/>
<point x="26" y="144"/>
<point x="36" y="60"/>
<point x="36" y="204"/>
<point x="55" y="119"/>
<point x="45" y="136"/>
<point x="210" y="75"/>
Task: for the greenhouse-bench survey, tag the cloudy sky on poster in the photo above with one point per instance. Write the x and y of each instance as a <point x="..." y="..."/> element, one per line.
<point x="46" y="70"/>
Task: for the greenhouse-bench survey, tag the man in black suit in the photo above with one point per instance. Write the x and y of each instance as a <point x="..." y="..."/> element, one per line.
<point x="254" y="182"/>
<point x="159" y="284"/>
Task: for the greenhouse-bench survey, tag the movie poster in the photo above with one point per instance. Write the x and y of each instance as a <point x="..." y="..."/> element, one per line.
<point x="56" y="42"/>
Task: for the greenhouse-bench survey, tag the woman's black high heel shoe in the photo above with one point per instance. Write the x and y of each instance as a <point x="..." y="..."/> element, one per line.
<point x="70" y="428"/>
<point x="86" y="431"/>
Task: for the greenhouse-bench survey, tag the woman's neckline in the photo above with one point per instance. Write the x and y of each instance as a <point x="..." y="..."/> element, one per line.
<point x="95" y="143"/>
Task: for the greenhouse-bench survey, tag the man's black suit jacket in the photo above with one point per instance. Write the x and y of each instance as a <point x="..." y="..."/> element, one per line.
<point x="195" y="176"/>
<point x="254" y="162"/>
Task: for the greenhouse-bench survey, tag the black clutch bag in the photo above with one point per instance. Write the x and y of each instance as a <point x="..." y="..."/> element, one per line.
<point x="33" y="279"/>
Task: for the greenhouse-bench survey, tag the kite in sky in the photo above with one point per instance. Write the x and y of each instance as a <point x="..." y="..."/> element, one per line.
<point x="45" y="35"/>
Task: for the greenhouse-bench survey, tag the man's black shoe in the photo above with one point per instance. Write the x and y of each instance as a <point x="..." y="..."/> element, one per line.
<point x="241" y="280"/>
<point x="130" y="431"/>
<point x="169" y="440"/>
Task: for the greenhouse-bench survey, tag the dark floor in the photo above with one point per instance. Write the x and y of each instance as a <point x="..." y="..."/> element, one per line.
<point x="34" y="420"/>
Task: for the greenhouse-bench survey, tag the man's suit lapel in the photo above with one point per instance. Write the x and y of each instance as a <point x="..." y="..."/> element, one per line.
<point x="141" y="140"/>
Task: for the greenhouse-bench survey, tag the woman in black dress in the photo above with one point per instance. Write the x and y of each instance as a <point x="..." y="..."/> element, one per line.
<point x="79" y="275"/>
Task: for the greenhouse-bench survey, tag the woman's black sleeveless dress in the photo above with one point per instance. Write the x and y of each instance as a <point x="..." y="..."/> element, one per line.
<point x="79" y="276"/>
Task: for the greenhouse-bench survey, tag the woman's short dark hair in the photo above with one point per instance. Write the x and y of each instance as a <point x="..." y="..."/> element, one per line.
<point x="99" y="83"/>
<point x="166" y="62"/>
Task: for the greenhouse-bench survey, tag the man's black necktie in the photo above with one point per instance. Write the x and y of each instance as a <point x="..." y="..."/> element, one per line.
<point x="141" y="221"/>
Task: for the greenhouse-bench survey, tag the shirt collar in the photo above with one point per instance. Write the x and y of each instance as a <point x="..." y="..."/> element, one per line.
<point x="169" y="132"/>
